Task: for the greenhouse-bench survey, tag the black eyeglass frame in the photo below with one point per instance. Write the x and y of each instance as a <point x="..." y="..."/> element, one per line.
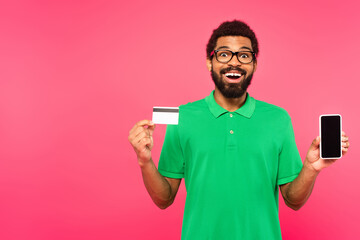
<point x="233" y="53"/>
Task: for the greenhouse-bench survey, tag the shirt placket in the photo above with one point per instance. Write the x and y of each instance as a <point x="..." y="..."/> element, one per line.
<point x="232" y="132"/>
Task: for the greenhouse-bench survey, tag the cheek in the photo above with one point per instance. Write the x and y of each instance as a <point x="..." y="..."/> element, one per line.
<point x="253" y="66"/>
<point x="249" y="69"/>
<point x="217" y="67"/>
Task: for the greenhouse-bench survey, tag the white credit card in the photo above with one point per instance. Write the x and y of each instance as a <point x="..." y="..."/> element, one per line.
<point x="165" y="115"/>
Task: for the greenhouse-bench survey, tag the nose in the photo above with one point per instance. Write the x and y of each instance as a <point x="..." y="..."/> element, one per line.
<point x="234" y="61"/>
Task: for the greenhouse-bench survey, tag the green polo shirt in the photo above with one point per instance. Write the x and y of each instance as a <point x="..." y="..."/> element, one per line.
<point x="232" y="163"/>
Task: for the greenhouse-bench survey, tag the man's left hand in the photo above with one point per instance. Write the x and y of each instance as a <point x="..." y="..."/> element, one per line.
<point x="313" y="159"/>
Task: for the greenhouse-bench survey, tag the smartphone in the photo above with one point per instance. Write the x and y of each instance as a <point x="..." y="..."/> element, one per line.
<point x="330" y="136"/>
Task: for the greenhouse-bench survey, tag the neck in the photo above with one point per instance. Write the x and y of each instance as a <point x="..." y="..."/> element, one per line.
<point x="230" y="104"/>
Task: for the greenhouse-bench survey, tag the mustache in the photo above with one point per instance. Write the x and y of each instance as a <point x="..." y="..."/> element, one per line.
<point x="242" y="71"/>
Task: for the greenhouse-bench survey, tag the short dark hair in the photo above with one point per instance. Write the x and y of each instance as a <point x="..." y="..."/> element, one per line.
<point x="234" y="28"/>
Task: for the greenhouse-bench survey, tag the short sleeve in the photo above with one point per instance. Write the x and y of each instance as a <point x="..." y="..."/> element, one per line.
<point x="171" y="163"/>
<point x="290" y="163"/>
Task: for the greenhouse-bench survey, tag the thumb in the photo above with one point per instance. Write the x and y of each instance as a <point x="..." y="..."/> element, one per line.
<point x="315" y="143"/>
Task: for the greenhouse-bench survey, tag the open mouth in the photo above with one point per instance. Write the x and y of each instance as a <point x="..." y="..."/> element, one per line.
<point x="233" y="76"/>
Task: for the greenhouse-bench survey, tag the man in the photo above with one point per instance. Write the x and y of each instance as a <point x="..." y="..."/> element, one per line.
<point x="232" y="150"/>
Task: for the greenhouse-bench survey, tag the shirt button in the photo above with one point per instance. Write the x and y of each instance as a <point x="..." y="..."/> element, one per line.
<point x="231" y="115"/>
<point x="231" y="132"/>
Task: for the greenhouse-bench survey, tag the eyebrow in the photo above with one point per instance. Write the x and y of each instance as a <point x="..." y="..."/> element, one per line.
<point x="226" y="47"/>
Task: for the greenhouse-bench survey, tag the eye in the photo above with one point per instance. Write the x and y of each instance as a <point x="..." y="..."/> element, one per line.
<point x="223" y="54"/>
<point x="244" y="55"/>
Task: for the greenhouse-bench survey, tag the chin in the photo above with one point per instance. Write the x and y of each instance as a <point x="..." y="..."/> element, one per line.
<point x="233" y="93"/>
<point x="231" y="90"/>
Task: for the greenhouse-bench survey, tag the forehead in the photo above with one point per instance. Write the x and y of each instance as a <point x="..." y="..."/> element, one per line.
<point x="233" y="42"/>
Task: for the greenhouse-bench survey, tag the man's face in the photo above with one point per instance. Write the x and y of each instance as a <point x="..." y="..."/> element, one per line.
<point x="233" y="78"/>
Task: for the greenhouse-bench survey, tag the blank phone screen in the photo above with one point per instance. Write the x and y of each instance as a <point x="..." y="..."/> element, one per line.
<point x="331" y="136"/>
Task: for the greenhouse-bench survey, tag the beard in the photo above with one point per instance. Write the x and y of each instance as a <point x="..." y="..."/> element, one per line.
<point x="231" y="90"/>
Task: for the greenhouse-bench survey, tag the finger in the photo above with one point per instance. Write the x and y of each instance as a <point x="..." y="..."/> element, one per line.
<point x="148" y="132"/>
<point x="134" y="133"/>
<point x="141" y="129"/>
<point x="139" y="137"/>
<point x="344" y="138"/>
<point x="144" y="144"/>
<point x="145" y="123"/>
<point x="148" y="142"/>
<point x="138" y="131"/>
<point x="345" y="144"/>
<point x="149" y="129"/>
<point x="315" y="143"/>
<point x="141" y="145"/>
<point x="343" y="133"/>
<point x="141" y="123"/>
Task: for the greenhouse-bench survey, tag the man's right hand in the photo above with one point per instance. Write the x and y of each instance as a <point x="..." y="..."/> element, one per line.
<point x="162" y="190"/>
<point x="140" y="137"/>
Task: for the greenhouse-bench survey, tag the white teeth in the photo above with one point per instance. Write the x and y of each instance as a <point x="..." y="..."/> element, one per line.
<point x="233" y="74"/>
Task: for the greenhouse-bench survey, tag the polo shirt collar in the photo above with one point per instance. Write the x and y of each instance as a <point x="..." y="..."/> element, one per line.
<point x="245" y="110"/>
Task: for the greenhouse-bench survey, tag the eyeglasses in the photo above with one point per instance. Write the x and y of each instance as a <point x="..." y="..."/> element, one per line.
<point x="225" y="56"/>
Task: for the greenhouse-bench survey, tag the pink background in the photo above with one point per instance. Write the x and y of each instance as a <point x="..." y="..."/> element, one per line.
<point x="77" y="75"/>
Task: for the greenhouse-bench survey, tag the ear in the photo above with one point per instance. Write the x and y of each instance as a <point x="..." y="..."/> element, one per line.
<point x="255" y="65"/>
<point x="209" y="64"/>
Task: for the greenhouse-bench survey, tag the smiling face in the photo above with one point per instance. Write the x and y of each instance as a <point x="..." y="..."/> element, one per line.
<point x="232" y="78"/>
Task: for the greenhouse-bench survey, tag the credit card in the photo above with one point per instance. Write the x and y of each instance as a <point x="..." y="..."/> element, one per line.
<point x="165" y="115"/>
